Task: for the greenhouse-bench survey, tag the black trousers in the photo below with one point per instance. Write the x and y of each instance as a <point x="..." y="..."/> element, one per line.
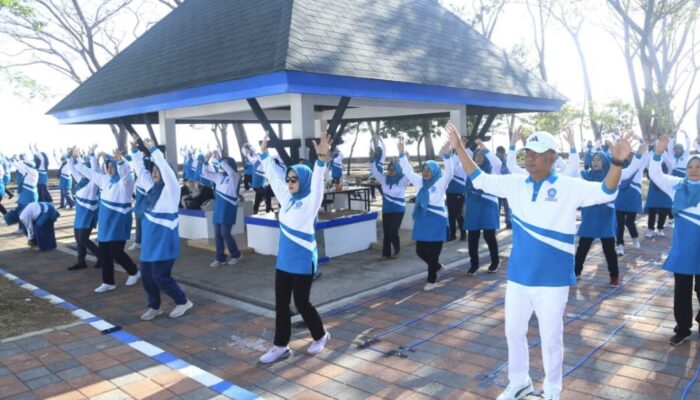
<point x="662" y="213"/>
<point x="391" y="222"/>
<point x="683" y="302"/>
<point x="3" y="211"/>
<point x="260" y="194"/>
<point x="626" y="219"/>
<point x="83" y="244"/>
<point x="430" y="253"/>
<point x="43" y="192"/>
<point x="111" y="252"/>
<point x="490" y="238"/>
<point x="455" y="214"/>
<point x="247" y="180"/>
<point x="299" y="286"/>
<point x="584" y="245"/>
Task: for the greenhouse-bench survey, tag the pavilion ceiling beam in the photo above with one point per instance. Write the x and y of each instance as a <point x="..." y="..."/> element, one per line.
<point x="487" y="125"/>
<point x="275" y="141"/>
<point x="337" y="118"/>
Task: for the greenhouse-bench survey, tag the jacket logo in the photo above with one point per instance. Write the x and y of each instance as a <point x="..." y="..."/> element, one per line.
<point x="551" y="194"/>
<point x="433" y="189"/>
<point x="298" y="204"/>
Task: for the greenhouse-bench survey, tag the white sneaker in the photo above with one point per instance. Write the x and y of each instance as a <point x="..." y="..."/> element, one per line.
<point x="428" y="287"/>
<point x="105" y="288"/>
<point x="551" y="396"/>
<point x="650" y="234"/>
<point x="318" y="345"/>
<point x="180" y="309"/>
<point x="216" y="263"/>
<point x="660" y="233"/>
<point x="637" y="244"/>
<point x="133" y="279"/>
<point x="150" y="314"/>
<point x="276" y="353"/>
<point x="134" y="246"/>
<point x="235" y="260"/>
<point x="516" y="393"/>
<point x="620" y="250"/>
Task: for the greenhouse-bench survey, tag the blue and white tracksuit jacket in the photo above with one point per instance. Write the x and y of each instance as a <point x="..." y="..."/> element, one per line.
<point x="630" y="197"/>
<point x="394" y="196"/>
<point x="114" y="211"/>
<point x="160" y="235"/>
<point x="544" y="223"/>
<point x="337" y="165"/>
<point x="480" y="208"/>
<point x="85" y="196"/>
<point x="685" y="252"/>
<point x="226" y="193"/>
<point x="30" y="178"/>
<point x="432" y="225"/>
<point x="297" y="253"/>
<point x="43" y="167"/>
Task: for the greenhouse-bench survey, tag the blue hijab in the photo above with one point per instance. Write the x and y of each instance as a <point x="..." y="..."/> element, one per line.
<point x="486" y="165"/>
<point x="110" y="160"/>
<point x="423" y="197"/>
<point x="393" y="180"/>
<point x="304" y="174"/>
<point x="687" y="192"/>
<point x="597" y="175"/>
<point x="149" y="202"/>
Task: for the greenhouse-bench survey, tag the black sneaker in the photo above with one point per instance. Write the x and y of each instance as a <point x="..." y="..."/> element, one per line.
<point x="677" y="339"/>
<point x="494" y="267"/>
<point x="472" y="270"/>
<point x="77" y="267"/>
<point x="97" y="265"/>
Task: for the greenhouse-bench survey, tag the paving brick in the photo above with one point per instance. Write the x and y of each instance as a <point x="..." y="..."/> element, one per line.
<point x="33" y="373"/>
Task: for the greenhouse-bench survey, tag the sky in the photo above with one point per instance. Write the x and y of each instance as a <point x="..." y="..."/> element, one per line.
<point x="25" y="122"/>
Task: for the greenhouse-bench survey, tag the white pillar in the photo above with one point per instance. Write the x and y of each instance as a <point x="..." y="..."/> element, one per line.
<point x="459" y="119"/>
<point x="168" y="138"/>
<point x="303" y="120"/>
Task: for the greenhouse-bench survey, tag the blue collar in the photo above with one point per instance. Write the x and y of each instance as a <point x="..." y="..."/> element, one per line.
<point x="551" y="178"/>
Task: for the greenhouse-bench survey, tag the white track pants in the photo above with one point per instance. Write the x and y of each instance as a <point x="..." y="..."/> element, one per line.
<point x="548" y="303"/>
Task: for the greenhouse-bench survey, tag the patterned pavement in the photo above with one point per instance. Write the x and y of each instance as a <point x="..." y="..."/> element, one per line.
<point x="404" y="343"/>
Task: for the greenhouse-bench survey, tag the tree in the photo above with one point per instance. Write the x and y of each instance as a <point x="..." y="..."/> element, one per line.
<point x="555" y="122"/>
<point x="220" y="132"/>
<point x="415" y="131"/>
<point x="482" y="15"/>
<point x="661" y="39"/>
<point x="358" y="128"/>
<point x="71" y="37"/>
<point x="540" y="12"/>
<point x="614" y="117"/>
<point x="571" y="15"/>
<point x="173" y="4"/>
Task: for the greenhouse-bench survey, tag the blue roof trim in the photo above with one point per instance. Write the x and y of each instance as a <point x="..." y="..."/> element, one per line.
<point x="305" y="83"/>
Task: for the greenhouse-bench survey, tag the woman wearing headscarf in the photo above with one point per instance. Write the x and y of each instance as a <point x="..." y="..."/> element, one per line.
<point x="3" y="211"/>
<point x="430" y="224"/>
<point x="629" y="201"/>
<point x="684" y="254"/>
<point x="658" y="204"/>
<point x="225" y="208"/>
<point x="159" y="221"/>
<point x="65" y="182"/>
<point x="86" y="208"/>
<point x="481" y="212"/>
<point x="393" y="185"/>
<point x="300" y="194"/>
<point x="114" y="217"/>
<point x="27" y="179"/>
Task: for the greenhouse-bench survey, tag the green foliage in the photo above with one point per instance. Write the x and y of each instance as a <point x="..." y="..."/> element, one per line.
<point x="615" y="116"/>
<point x="412" y="129"/>
<point x="25" y="87"/>
<point x="555" y="122"/>
<point x="16" y="7"/>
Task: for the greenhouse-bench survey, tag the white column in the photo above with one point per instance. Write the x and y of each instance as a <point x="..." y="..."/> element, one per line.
<point x="303" y="119"/>
<point x="459" y="119"/>
<point x="168" y="138"/>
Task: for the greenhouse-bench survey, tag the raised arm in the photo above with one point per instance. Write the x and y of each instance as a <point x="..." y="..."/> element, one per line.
<point x="97" y="178"/>
<point x="415" y="179"/>
<point x="573" y="168"/>
<point x="277" y="183"/>
<point x="169" y="177"/>
<point x="496" y="163"/>
<point x="665" y="182"/>
<point x="209" y="173"/>
<point x="374" y="171"/>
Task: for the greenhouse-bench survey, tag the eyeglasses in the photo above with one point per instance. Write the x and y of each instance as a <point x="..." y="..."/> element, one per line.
<point x="291" y="179"/>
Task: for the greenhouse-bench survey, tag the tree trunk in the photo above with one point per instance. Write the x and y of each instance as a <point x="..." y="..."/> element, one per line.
<point x="352" y="148"/>
<point x="120" y="136"/>
<point x="429" y="149"/>
<point x="151" y="133"/>
<point x="224" y="140"/>
<point x="241" y="136"/>
<point x="420" y="140"/>
<point x="215" y="131"/>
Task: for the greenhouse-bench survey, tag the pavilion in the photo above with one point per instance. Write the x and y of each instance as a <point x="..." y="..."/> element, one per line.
<point x="316" y="64"/>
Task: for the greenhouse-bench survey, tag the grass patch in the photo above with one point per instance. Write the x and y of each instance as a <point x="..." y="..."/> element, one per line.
<point x="22" y="312"/>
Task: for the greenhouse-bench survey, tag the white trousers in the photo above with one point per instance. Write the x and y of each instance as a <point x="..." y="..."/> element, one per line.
<point x="548" y="303"/>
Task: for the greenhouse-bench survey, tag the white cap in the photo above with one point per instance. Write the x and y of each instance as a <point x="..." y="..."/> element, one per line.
<point x="541" y="141"/>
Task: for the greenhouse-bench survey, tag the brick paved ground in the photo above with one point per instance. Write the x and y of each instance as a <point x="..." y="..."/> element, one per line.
<point x="617" y="340"/>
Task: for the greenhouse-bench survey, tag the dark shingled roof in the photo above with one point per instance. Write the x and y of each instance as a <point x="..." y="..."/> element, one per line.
<point x="209" y="41"/>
